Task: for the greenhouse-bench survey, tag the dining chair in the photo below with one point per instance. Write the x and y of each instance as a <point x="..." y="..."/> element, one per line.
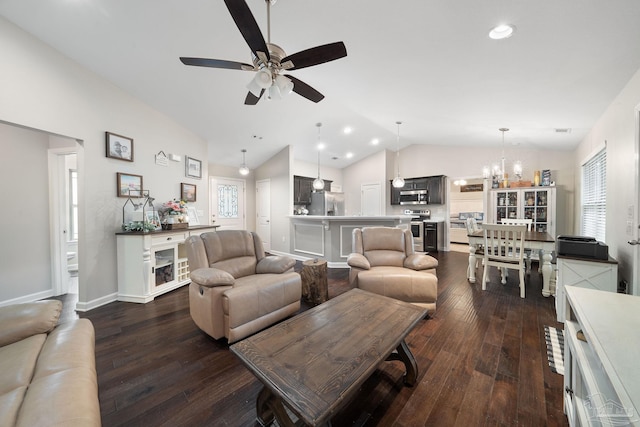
<point x="472" y="227"/>
<point x="529" y="256"/>
<point x="504" y="248"/>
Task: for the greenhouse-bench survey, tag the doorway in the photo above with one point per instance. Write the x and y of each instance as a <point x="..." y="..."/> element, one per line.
<point x="371" y="199"/>
<point x="228" y="201"/>
<point x="63" y="200"/>
<point x="263" y="212"/>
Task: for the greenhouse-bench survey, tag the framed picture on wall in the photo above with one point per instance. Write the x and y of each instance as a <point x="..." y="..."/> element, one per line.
<point x="187" y="192"/>
<point x="193" y="167"/>
<point x="119" y="147"/>
<point x="129" y="185"/>
<point x="193" y="215"/>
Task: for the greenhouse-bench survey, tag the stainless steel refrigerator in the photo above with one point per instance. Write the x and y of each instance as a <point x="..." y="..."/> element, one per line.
<point x="327" y="203"/>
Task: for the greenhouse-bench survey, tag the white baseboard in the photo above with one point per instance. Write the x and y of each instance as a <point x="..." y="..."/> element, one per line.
<point x="99" y="302"/>
<point x="28" y="298"/>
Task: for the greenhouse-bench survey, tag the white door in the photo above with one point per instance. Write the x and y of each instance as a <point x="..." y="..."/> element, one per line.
<point x="371" y="199"/>
<point x="227" y="203"/>
<point x="263" y="212"/>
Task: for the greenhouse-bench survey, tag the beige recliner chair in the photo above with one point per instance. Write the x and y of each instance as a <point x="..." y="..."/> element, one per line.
<point x="235" y="289"/>
<point x="384" y="262"/>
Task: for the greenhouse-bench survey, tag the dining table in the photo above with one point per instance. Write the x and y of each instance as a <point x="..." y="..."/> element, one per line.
<point x="534" y="241"/>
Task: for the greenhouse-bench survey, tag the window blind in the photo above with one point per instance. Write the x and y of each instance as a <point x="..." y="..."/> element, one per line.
<point x="594" y="196"/>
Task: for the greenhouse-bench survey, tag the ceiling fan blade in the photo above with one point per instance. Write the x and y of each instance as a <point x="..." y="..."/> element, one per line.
<point x="216" y="63"/>
<point x="248" y="26"/>
<point x="316" y="55"/>
<point x="251" y="99"/>
<point x="303" y="89"/>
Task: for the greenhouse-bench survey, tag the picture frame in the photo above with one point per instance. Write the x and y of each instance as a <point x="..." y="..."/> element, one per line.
<point x="193" y="216"/>
<point x="129" y="185"/>
<point x="153" y="217"/>
<point x="187" y="192"/>
<point x="193" y="167"/>
<point x="119" y="147"/>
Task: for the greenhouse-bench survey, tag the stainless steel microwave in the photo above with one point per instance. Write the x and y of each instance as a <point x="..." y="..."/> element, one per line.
<point x="414" y="197"/>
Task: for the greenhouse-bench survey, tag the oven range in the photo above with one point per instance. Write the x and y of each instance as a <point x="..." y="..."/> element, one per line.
<point x="417" y="227"/>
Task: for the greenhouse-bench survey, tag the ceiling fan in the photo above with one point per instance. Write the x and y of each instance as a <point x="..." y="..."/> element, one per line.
<point x="270" y="60"/>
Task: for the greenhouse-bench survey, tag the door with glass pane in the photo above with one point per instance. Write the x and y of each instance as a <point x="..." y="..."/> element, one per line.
<point x="227" y="203"/>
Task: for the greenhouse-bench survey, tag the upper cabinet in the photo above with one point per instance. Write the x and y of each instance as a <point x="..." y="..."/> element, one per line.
<point x="419" y="191"/>
<point x="303" y="187"/>
<point x="535" y="203"/>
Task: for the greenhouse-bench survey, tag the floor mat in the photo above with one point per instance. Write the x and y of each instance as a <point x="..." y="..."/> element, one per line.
<point x="555" y="348"/>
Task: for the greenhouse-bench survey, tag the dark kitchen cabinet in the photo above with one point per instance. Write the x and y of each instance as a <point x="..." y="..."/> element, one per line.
<point x="303" y="187"/>
<point x="435" y="186"/>
<point x="395" y="194"/>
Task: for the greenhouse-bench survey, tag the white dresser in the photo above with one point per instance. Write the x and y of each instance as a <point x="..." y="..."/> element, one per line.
<point x="585" y="273"/>
<point x="602" y="374"/>
<point x="151" y="264"/>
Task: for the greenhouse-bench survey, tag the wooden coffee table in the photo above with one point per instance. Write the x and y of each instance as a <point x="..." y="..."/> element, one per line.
<point x="315" y="363"/>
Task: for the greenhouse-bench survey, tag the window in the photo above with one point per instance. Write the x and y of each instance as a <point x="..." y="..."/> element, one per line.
<point x="594" y="196"/>
<point x="73" y="205"/>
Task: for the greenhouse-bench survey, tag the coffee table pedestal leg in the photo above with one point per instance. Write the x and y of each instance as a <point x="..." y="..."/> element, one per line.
<point x="405" y="356"/>
<point x="270" y="407"/>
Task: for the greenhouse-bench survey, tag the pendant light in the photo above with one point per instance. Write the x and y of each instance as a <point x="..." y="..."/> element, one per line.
<point x="244" y="169"/>
<point x="398" y="181"/>
<point x="318" y="183"/>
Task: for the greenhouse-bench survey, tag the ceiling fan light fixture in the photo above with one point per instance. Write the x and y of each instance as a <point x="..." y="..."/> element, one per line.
<point x="254" y="88"/>
<point x="284" y="84"/>
<point x="263" y="78"/>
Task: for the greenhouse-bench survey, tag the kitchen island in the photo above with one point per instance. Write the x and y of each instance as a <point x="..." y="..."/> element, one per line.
<point x="329" y="237"/>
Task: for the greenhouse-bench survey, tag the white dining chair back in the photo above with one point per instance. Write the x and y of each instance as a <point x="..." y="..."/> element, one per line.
<point x="518" y="221"/>
<point x="472" y="226"/>
<point x="504" y="248"/>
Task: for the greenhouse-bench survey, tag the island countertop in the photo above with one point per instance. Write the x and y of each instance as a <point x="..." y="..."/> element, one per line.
<point x="353" y="217"/>
<point x="330" y="237"/>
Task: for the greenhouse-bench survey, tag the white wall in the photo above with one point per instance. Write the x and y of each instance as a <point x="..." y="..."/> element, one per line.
<point x="618" y="126"/>
<point x="25" y="255"/>
<point x="310" y="170"/>
<point x="278" y="170"/>
<point x="42" y="89"/>
<point x="367" y="171"/>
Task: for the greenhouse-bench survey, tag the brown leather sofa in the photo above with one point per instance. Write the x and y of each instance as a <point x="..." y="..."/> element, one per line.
<point x="47" y="371"/>
<point x="236" y="290"/>
<point x="384" y="262"/>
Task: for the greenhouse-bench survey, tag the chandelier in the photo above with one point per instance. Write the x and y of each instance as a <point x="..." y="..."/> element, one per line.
<point x="498" y="171"/>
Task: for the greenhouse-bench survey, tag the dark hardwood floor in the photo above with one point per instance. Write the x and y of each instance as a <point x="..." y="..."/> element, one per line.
<point x="481" y="357"/>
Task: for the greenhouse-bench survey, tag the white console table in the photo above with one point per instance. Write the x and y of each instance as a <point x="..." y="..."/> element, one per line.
<point x="585" y="273"/>
<point x="151" y="264"/>
<point x="602" y="374"/>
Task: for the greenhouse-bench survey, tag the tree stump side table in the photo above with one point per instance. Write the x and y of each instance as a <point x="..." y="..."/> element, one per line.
<point x="314" y="281"/>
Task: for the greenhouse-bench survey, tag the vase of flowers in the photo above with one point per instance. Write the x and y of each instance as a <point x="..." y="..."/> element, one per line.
<point x="174" y="214"/>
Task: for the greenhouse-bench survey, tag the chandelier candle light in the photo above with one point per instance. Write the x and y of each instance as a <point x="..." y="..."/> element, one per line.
<point x="398" y="181"/>
<point x="318" y="183"/>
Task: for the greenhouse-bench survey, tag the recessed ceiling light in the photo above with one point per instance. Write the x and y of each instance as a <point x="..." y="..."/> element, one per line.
<point x="375" y="141"/>
<point x="349" y="155"/>
<point x="321" y="146"/>
<point x="563" y="130"/>
<point x="502" y="31"/>
<point x="347" y="130"/>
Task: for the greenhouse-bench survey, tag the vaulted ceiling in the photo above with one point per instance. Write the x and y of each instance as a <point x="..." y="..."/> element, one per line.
<point x="427" y="63"/>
